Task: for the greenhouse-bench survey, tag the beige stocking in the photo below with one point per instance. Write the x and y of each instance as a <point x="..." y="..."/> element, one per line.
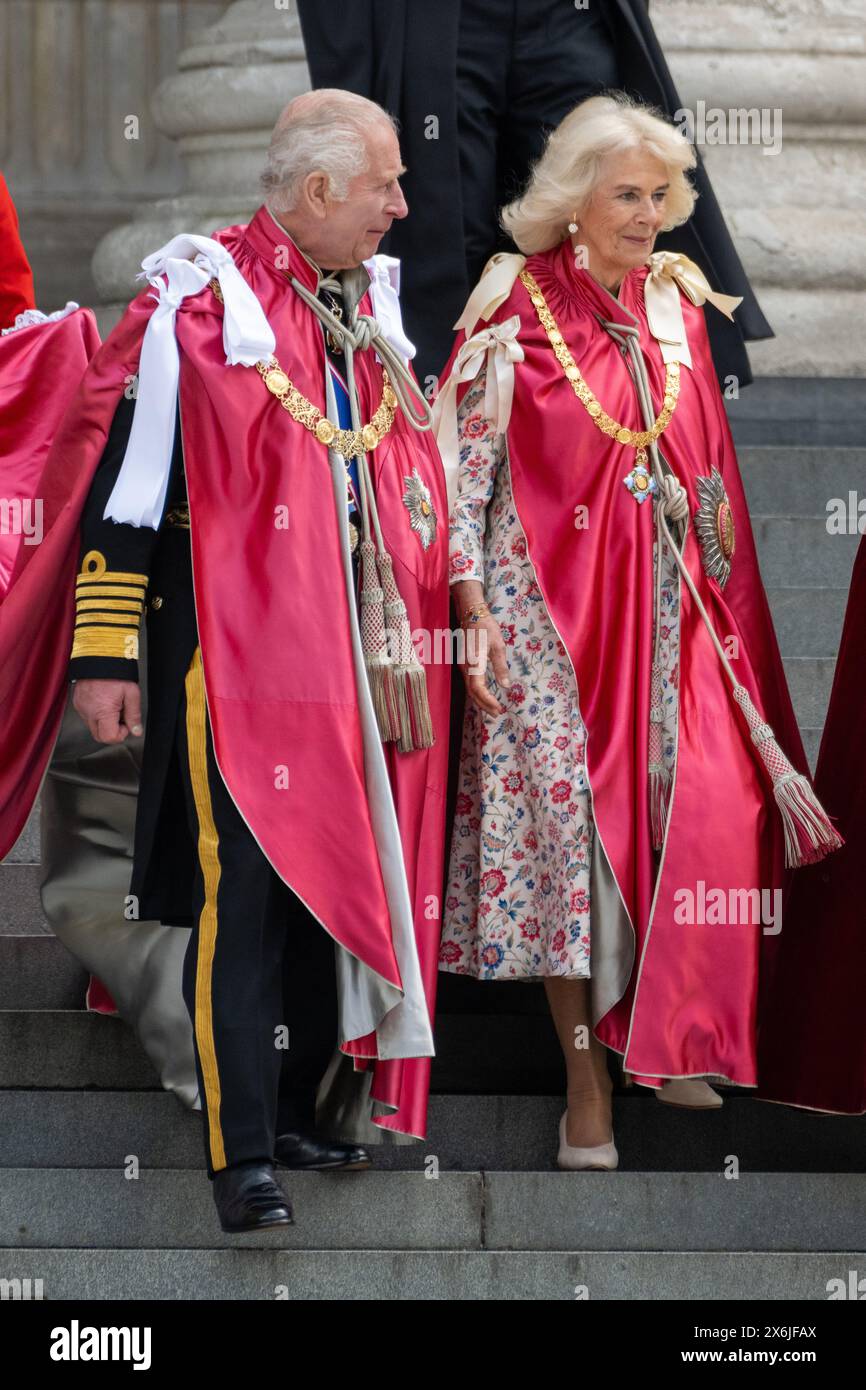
<point x="588" y="1084"/>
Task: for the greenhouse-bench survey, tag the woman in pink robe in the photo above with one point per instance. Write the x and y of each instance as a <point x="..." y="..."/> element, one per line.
<point x="615" y="832"/>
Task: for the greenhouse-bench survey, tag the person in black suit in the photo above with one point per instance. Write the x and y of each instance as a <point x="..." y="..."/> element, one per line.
<point x="125" y="570"/>
<point x="476" y="85"/>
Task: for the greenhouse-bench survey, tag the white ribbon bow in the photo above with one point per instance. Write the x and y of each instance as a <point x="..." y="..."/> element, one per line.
<point x="384" y="273"/>
<point x="138" y="496"/>
<point x="499" y="348"/>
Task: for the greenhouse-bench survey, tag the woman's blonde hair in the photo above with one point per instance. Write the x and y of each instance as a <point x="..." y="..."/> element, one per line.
<point x="563" y="178"/>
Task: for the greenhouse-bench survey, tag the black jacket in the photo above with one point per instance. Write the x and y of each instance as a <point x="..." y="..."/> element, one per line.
<point x="405" y="54"/>
<point x="126" y="570"/>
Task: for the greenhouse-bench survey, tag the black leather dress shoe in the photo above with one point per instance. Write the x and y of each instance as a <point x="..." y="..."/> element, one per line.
<point x="249" y="1199"/>
<point x="305" y="1151"/>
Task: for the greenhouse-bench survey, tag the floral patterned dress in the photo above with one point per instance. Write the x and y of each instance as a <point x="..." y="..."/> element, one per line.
<point x="518" y="899"/>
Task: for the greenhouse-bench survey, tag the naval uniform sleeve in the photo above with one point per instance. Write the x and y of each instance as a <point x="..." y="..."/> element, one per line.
<point x="114" y="567"/>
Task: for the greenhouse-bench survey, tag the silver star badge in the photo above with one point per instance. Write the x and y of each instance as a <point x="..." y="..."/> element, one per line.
<point x="714" y="524"/>
<point x="419" y="504"/>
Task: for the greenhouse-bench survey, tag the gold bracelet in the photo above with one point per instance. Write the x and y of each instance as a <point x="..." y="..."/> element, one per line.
<point x="472" y="615"/>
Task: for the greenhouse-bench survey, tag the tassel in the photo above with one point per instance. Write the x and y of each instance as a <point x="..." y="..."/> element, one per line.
<point x="659" y="776"/>
<point x="809" y="833"/>
<point x="414" y="725"/>
<point x="416" y="684"/>
<point x="377" y="659"/>
<point x="659" y="789"/>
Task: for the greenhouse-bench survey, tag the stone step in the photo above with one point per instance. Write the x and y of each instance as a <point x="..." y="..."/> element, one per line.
<point x="800" y="481"/>
<point x="37" y="972"/>
<point x="779" y="411"/>
<point x="69" y="1048"/>
<point x="26" y="849"/>
<point x="799" y="551"/>
<point x="98" y="1129"/>
<point x="20" y="905"/>
<point x="103" y="1209"/>
<point x="808" y="622"/>
<point x="58" y="1208"/>
<point x="509" y="1054"/>
<point x="424" y="1275"/>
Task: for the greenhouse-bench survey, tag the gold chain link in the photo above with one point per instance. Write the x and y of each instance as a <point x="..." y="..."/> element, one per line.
<point x="638" y="439"/>
<point x="349" y="443"/>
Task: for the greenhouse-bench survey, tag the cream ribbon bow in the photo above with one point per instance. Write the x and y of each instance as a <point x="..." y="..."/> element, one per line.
<point x="494" y="287"/>
<point x="498" y="346"/>
<point x="669" y="269"/>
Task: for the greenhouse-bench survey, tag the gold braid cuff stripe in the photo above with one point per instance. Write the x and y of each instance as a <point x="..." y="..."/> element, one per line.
<point x="105" y="641"/>
<point x="108" y="608"/>
<point x="349" y="443"/>
<point x="638" y="439"/>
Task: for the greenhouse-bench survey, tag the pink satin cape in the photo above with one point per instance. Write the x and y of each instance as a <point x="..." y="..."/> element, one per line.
<point x="690" y="1006"/>
<point x="40" y="373"/>
<point x="274" y="623"/>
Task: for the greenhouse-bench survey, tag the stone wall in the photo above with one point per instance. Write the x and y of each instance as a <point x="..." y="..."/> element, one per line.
<point x="71" y="73"/>
<point x="799" y="216"/>
<point x="207" y="80"/>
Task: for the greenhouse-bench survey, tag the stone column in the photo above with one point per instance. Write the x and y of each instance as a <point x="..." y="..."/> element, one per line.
<point x="799" y="216"/>
<point x="220" y="107"/>
<point x="72" y="75"/>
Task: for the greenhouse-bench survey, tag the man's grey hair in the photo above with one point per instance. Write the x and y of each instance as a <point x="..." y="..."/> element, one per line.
<point x="321" y="131"/>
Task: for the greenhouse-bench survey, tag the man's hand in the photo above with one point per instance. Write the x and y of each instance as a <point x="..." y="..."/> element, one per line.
<point x="110" y="709"/>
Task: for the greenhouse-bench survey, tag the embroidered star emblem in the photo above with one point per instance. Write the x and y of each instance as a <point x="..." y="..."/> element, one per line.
<point x="419" y="504"/>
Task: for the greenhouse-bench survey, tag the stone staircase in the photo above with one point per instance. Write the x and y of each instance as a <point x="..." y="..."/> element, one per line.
<point x="806" y="571"/>
<point x="478" y="1210"/>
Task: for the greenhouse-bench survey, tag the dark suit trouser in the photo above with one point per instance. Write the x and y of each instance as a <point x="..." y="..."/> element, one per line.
<point x="259" y="971"/>
<point x="521" y="67"/>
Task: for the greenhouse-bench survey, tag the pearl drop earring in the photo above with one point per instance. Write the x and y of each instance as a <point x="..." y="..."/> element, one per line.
<point x="573" y="226"/>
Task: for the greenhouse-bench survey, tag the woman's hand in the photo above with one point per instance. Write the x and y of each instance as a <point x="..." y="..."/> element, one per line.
<point x="483" y="643"/>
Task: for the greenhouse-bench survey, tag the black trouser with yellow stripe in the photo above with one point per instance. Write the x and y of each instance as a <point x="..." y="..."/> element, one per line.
<point x="259" y="971"/>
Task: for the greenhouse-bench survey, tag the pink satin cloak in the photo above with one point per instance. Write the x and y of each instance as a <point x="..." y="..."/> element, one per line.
<point x="273" y="621"/>
<point x="690" y="1005"/>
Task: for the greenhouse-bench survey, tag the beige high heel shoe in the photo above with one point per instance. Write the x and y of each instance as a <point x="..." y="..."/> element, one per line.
<point x="600" y="1157"/>
<point x="688" y="1092"/>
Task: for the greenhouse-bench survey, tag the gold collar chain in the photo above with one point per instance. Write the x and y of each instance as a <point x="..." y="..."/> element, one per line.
<point x="638" y="439"/>
<point x="349" y="443"/>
